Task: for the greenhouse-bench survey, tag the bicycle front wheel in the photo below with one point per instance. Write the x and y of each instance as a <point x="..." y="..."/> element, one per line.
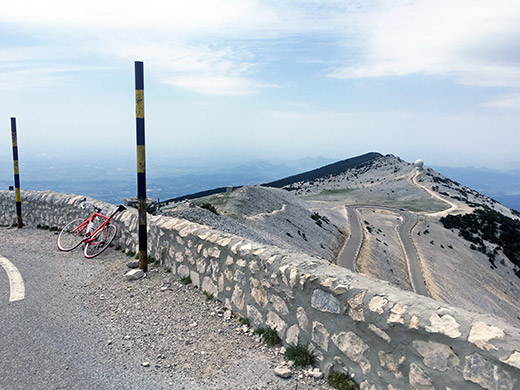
<point x="101" y="241"/>
<point x="72" y="235"/>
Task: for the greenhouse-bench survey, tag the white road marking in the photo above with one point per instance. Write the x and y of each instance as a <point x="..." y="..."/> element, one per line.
<point x="15" y="280"/>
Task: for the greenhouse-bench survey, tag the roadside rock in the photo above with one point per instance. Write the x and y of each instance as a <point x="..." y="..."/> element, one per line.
<point x="283" y="371"/>
<point x="134" y="274"/>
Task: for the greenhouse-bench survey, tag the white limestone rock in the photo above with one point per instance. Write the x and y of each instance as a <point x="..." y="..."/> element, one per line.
<point x="134" y="274"/>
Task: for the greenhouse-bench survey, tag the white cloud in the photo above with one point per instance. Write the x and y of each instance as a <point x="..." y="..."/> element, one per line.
<point x="474" y="41"/>
<point x="508" y="101"/>
<point x="185" y="43"/>
<point x="224" y="41"/>
<point x="215" y="84"/>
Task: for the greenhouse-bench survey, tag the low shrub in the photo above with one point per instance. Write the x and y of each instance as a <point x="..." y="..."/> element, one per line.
<point x="269" y="335"/>
<point x="341" y="381"/>
<point x="300" y="355"/>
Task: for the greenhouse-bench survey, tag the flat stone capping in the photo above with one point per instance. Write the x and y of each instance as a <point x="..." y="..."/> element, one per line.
<point x="384" y="337"/>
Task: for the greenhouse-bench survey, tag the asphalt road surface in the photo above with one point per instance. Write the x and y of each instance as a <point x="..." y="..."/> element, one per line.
<point x="48" y="339"/>
<point x="350" y="252"/>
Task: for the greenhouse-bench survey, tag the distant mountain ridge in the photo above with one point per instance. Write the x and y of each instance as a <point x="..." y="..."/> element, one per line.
<point x="327" y="170"/>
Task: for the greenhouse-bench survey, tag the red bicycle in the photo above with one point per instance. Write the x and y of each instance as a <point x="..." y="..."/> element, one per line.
<point x="96" y="232"/>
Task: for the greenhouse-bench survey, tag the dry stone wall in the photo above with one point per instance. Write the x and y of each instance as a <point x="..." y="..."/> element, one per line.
<point x="384" y="337"/>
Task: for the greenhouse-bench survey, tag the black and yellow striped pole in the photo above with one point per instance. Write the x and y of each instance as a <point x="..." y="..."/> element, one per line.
<point x="141" y="164"/>
<point x="16" y="175"/>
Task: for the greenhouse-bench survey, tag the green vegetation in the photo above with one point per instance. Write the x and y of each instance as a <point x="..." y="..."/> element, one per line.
<point x="118" y="247"/>
<point x="269" y="335"/>
<point x="130" y="253"/>
<point x="341" y="381"/>
<point x="210" y="207"/>
<point x="186" y="280"/>
<point x="244" y="321"/>
<point x="319" y="218"/>
<point x="328" y="170"/>
<point x="488" y="225"/>
<point x="217" y="200"/>
<point x="209" y="296"/>
<point x="338" y="191"/>
<point x="151" y="259"/>
<point x="300" y="355"/>
<point x="168" y="270"/>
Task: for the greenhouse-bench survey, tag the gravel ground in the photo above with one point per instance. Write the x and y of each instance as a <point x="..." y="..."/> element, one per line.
<point x="270" y="216"/>
<point x="381" y="255"/>
<point x="162" y="329"/>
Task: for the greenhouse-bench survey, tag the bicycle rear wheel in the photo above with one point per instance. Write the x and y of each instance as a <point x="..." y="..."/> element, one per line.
<point x="71" y="236"/>
<point x="101" y="241"/>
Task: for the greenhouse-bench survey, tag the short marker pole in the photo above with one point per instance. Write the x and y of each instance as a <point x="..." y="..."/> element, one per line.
<point x="141" y="164"/>
<point x="16" y="175"/>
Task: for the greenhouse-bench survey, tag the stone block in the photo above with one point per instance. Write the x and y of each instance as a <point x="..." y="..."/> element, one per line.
<point x="183" y="270"/>
<point x="279" y="305"/>
<point x="302" y="319"/>
<point x="354" y="348"/>
<point x="254" y="315"/>
<point x="195" y="278"/>
<point x="396" y="314"/>
<point x="513" y="360"/>
<point x="292" y="335"/>
<point x="418" y="379"/>
<point x="323" y="301"/>
<point x="275" y="322"/>
<point x="387" y="360"/>
<point x="238" y="297"/>
<point x="377" y="304"/>
<point x="201" y="265"/>
<point x="320" y="335"/>
<point x="380" y="333"/>
<point x="481" y="333"/>
<point x="445" y="325"/>
<point x="209" y="286"/>
<point x="438" y="356"/>
<point x="355" y="307"/>
<point x="481" y="371"/>
<point x="253" y="267"/>
<point x="293" y="277"/>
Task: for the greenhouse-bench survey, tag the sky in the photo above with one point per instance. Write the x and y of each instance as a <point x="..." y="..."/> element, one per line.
<point x="259" y="79"/>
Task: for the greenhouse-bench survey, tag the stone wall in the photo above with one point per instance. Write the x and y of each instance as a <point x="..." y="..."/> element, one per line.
<point x="384" y="337"/>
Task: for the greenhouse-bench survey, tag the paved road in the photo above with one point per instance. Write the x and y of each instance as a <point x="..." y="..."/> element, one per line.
<point x="352" y="247"/>
<point x="350" y="252"/>
<point x="49" y="340"/>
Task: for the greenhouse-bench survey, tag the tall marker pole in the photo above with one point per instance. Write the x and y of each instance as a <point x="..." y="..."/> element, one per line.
<point x="16" y="174"/>
<point x="141" y="164"/>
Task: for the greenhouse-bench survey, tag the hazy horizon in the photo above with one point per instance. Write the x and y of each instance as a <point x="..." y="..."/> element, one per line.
<point x="113" y="178"/>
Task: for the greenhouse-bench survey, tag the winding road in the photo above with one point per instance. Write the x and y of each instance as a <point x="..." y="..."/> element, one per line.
<point x="350" y="251"/>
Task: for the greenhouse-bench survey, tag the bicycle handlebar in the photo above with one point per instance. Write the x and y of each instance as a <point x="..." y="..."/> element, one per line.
<point x="85" y="202"/>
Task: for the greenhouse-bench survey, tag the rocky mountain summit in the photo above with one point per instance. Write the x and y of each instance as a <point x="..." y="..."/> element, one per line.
<point x="307" y="214"/>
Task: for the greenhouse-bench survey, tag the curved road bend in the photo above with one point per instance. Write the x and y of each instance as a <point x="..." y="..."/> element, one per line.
<point x="50" y="339"/>
<point x="350" y="251"/>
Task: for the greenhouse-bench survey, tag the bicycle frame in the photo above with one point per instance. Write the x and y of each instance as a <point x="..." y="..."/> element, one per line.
<point x="96" y="214"/>
<point x="86" y="222"/>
